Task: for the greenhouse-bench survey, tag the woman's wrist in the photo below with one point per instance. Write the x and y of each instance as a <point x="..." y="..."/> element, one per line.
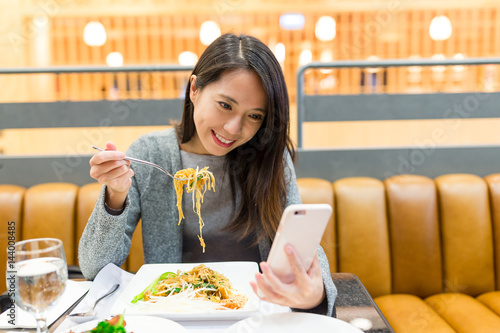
<point x="115" y="200"/>
<point x="314" y="304"/>
<point x="321" y="299"/>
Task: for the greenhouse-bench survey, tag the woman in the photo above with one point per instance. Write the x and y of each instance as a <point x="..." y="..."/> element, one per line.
<point x="236" y="121"/>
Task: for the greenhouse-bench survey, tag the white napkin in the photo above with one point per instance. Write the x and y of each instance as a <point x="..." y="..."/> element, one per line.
<point x="23" y="319"/>
<point x="104" y="280"/>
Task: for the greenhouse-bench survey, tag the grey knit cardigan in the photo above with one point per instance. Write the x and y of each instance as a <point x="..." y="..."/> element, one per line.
<point x="107" y="238"/>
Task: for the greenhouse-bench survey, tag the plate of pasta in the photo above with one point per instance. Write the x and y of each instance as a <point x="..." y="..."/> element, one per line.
<point x="208" y="291"/>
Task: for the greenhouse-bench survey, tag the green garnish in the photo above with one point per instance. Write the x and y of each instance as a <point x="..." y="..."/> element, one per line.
<point x="106" y="327"/>
<point x="152" y="286"/>
<point x="204" y="285"/>
<point x="199" y="178"/>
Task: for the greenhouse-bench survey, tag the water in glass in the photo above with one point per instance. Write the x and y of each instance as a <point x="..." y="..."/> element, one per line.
<point x="41" y="276"/>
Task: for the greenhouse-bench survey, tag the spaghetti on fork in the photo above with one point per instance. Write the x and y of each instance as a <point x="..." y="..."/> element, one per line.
<point x="196" y="182"/>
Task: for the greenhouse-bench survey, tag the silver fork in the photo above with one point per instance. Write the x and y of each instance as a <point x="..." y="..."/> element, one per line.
<point x="145" y="162"/>
<point x="91" y="312"/>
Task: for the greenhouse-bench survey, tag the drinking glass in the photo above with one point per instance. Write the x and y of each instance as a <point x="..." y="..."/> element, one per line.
<point x="41" y="273"/>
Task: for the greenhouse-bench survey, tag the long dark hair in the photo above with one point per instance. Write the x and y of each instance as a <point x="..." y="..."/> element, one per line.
<point x="258" y="165"/>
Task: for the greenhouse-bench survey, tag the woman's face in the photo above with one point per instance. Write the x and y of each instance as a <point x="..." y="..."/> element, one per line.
<point x="227" y="113"/>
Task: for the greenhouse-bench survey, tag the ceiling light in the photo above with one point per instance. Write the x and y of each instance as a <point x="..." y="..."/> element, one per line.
<point x="292" y="21"/>
<point x="209" y="31"/>
<point x="94" y="34"/>
<point x="114" y="59"/>
<point x="280" y="52"/>
<point x="440" y="28"/>
<point x="187" y="58"/>
<point x="326" y="28"/>
<point x="305" y="57"/>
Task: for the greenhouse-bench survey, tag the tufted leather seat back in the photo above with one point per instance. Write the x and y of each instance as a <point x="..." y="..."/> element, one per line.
<point x="50" y="211"/>
<point x="363" y="234"/>
<point x="415" y="235"/>
<point x="467" y="234"/>
<point x="493" y="182"/>
<point x="87" y="197"/>
<point x="407" y="234"/>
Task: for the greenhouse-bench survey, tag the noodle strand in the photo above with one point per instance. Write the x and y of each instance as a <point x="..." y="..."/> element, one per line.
<point x="196" y="182"/>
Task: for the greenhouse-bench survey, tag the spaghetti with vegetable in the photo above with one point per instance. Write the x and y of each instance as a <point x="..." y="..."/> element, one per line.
<point x="198" y="289"/>
<point x="196" y="182"/>
<point x="114" y="325"/>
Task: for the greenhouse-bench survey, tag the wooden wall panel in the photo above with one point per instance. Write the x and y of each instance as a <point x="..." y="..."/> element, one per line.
<point x="383" y="33"/>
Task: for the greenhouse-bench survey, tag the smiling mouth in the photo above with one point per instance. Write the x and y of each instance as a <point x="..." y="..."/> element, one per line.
<point x="222" y="140"/>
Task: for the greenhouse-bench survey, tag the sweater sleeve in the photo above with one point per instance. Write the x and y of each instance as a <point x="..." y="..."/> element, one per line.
<point x="293" y="197"/>
<point x="107" y="236"/>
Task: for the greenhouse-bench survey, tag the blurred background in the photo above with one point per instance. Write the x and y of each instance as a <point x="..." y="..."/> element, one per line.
<point x="45" y="33"/>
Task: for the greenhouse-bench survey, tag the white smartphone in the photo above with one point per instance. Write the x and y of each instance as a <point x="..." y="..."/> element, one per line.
<point x="302" y="226"/>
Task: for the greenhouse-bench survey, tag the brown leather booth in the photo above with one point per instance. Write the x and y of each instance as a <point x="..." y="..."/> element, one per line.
<point x="427" y="250"/>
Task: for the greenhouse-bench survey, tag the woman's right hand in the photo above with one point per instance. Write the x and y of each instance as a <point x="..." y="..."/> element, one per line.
<point x="110" y="169"/>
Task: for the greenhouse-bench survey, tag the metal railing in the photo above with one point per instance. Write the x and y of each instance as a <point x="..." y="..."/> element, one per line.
<point x="68" y="113"/>
<point x="28" y="170"/>
<point x="94" y="69"/>
<point x="301" y="111"/>
<point x="328" y="164"/>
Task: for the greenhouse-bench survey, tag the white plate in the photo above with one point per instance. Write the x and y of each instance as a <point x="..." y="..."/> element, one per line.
<point x="299" y="322"/>
<point x="138" y="324"/>
<point x="240" y="273"/>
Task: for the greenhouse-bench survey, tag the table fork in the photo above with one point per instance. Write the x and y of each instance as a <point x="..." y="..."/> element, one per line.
<point x="145" y="162"/>
<point x="91" y="311"/>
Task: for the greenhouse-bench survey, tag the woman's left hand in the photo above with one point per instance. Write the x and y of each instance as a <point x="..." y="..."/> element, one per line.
<point x="305" y="292"/>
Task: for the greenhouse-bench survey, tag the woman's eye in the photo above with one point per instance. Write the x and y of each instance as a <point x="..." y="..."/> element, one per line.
<point x="256" y="116"/>
<point x="225" y="105"/>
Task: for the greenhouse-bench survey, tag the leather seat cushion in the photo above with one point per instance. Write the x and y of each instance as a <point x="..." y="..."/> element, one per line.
<point x="464" y="313"/>
<point x="491" y="300"/>
<point x="410" y="314"/>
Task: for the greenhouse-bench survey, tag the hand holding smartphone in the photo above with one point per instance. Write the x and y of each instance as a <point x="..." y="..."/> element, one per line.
<point x="302" y="226"/>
